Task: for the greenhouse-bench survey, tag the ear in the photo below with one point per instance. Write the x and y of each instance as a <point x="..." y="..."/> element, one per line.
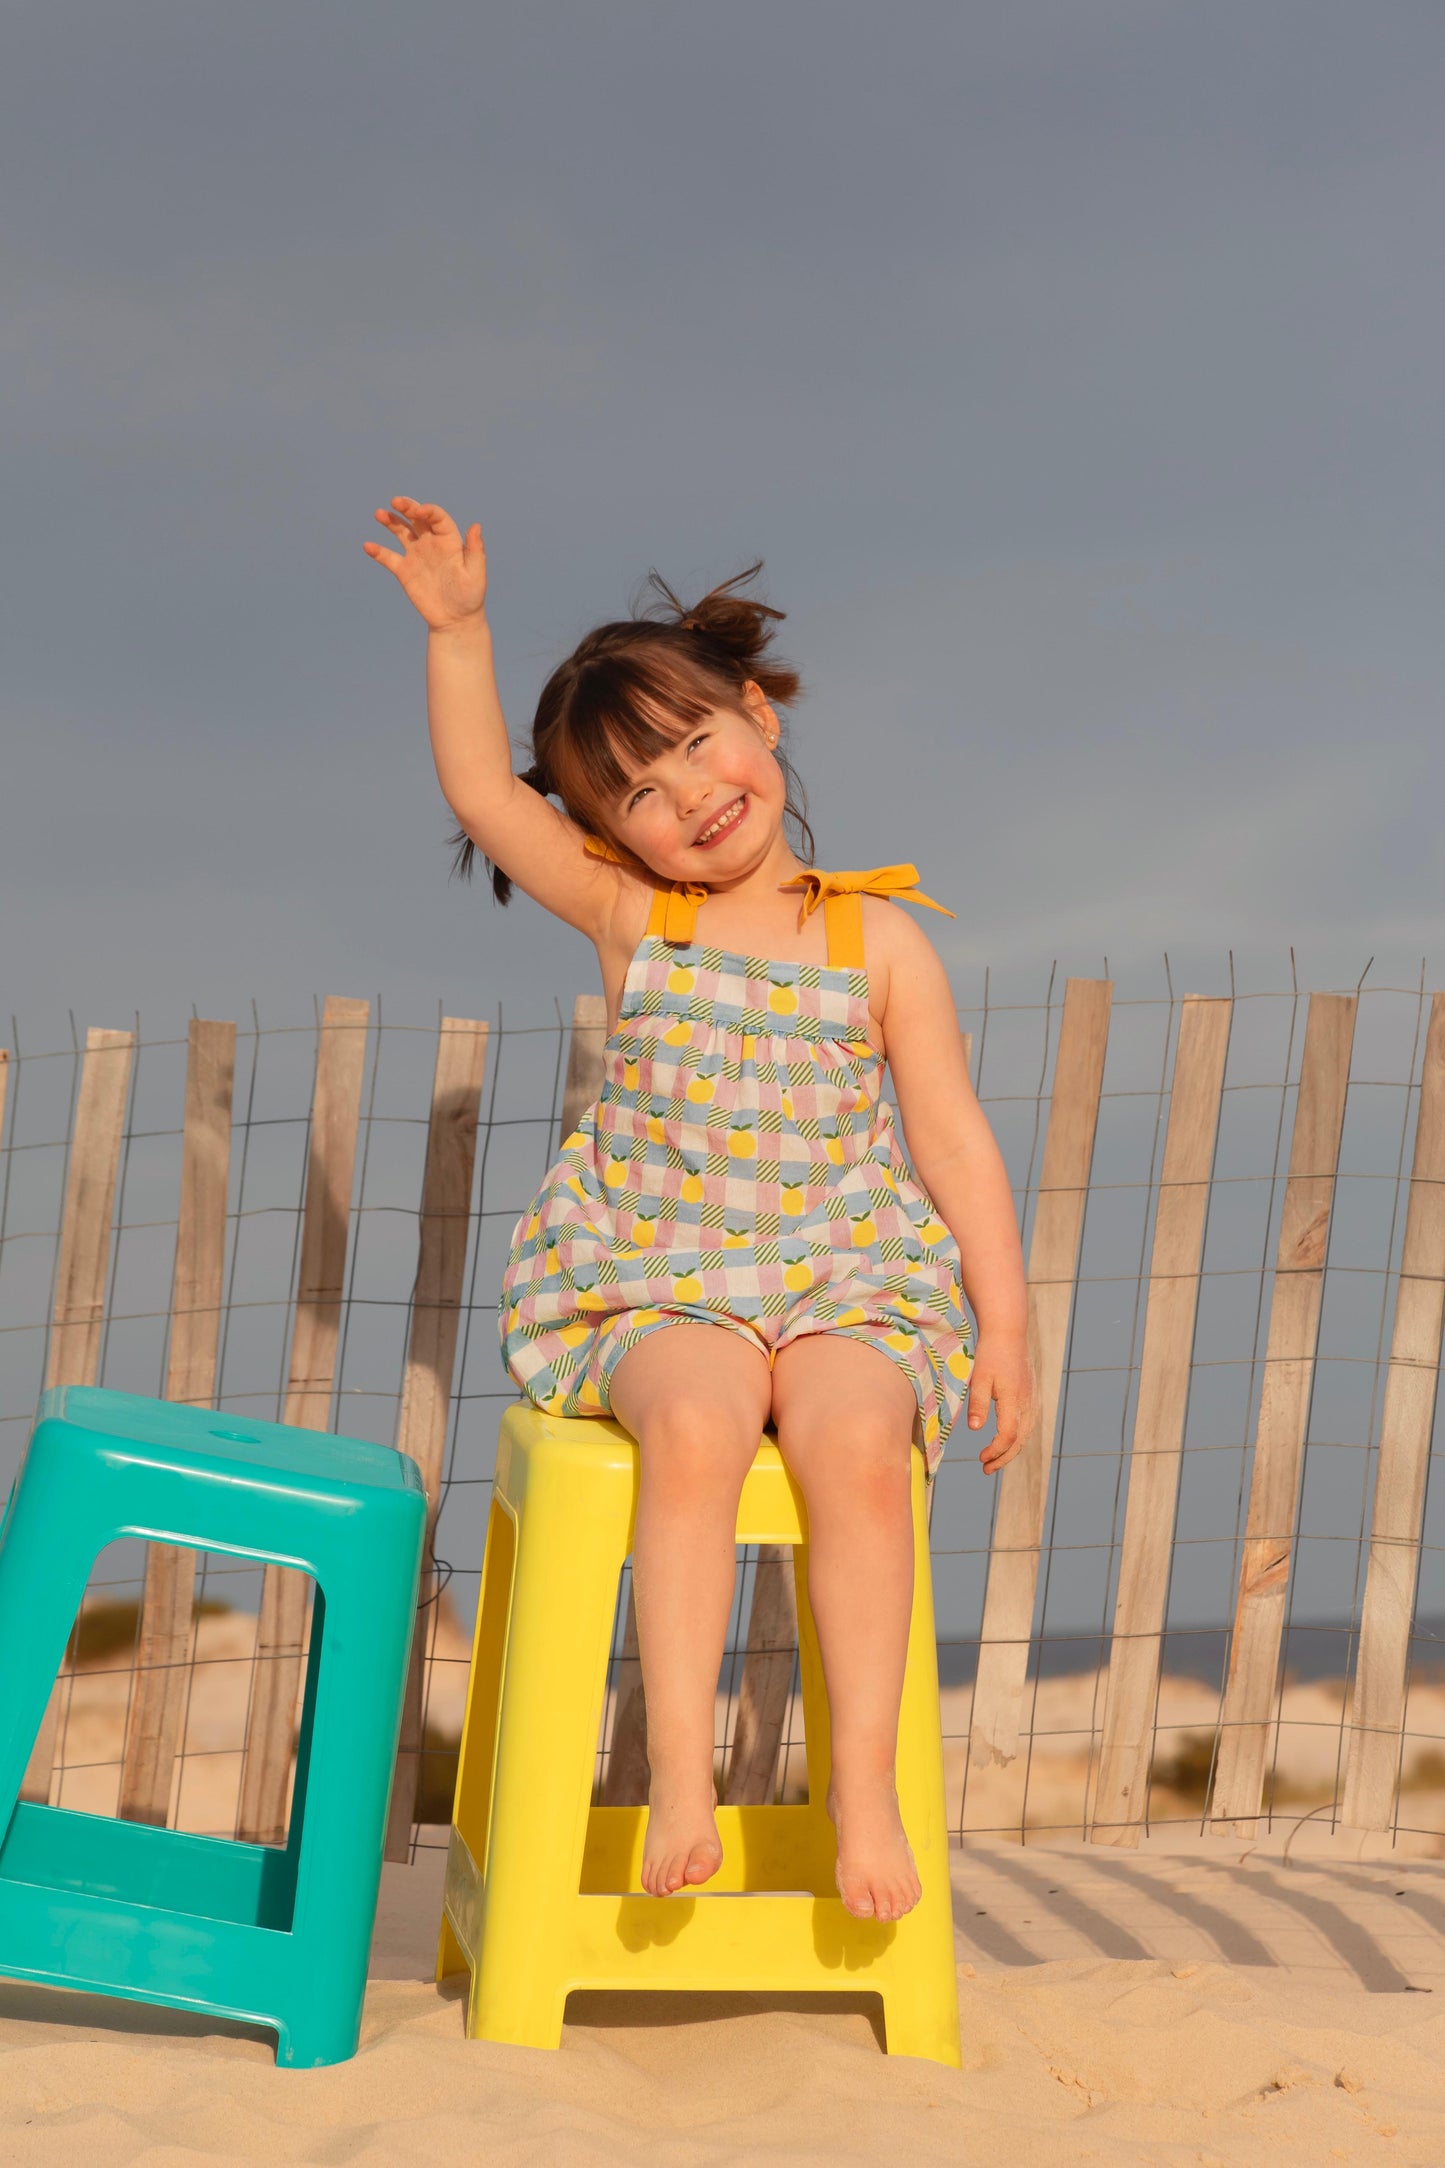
<point x="761" y="710"/>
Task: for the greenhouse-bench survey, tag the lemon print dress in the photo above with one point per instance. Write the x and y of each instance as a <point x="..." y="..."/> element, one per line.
<point x="742" y="1169"/>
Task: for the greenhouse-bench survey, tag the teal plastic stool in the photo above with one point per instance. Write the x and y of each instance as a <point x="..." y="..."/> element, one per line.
<point x="271" y="1936"/>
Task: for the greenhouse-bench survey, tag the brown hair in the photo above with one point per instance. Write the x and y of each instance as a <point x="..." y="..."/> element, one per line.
<point x="632" y="687"/>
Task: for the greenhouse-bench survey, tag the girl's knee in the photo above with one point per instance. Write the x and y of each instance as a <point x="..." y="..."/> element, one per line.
<point x="867" y="1457"/>
<point x="694" y="1451"/>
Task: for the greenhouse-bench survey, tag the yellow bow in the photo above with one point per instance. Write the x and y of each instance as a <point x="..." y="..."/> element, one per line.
<point x="898" y="882"/>
<point x="599" y="847"/>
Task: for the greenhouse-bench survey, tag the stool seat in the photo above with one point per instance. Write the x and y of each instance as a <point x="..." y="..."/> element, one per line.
<point x="542" y="1891"/>
<point x="273" y="1935"/>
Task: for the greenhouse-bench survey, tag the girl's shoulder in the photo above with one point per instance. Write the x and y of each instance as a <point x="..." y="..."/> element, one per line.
<point x="892" y="930"/>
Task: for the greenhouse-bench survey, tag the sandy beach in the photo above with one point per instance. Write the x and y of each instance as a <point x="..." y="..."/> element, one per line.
<point x="1197" y="2000"/>
<point x="1200" y="2005"/>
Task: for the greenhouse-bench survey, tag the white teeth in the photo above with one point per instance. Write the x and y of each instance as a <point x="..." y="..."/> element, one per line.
<point x="724" y="820"/>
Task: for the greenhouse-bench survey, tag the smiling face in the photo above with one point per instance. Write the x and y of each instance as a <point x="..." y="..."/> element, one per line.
<point x="709" y="807"/>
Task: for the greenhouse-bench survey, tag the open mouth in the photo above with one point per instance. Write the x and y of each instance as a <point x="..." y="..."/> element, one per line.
<point x="730" y="817"/>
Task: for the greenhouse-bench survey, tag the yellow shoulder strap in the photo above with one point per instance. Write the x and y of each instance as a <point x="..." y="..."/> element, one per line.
<point x="839" y="895"/>
<point x="843" y="922"/>
<point x="674" y="912"/>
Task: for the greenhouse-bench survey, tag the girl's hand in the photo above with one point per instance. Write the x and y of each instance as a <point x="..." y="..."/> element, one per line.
<point x="443" y="572"/>
<point x="1003" y="1374"/>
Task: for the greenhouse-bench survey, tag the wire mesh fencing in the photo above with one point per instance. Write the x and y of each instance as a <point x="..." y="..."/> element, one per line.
<point x="1208" y="1593"/>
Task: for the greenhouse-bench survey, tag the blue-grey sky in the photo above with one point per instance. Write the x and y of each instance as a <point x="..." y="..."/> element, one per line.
<point x="1075" y="365"/>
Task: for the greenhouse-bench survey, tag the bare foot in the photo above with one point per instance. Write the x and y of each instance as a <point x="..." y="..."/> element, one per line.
<point x="876" y="1877"/>
<point x="682" y="1846"/>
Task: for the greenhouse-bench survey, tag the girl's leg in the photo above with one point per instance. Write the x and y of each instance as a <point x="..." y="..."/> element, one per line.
<point x="844" y="1416"/>
<point x="695" y="1397"/>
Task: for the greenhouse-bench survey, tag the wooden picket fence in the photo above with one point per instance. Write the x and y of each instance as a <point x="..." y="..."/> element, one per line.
<point x="998" y="1734"/>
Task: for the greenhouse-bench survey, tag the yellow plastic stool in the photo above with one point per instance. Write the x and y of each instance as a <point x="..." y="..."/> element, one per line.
<point x="542" y="1890"/>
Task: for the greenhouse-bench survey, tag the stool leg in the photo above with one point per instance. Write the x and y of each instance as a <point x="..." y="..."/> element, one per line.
<point x="477" y="1755"/>
<point x="45" y="1563"/>
<point x="571" y="1541"/>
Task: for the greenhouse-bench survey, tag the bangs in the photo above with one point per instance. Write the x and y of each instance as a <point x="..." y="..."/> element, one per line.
<point x="629" y="709"/>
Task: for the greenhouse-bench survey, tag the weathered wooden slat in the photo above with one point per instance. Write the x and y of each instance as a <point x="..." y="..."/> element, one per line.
<point x="624" y="1780"/>
<point x="1156" y="1454"/>
<point x="426" y="1393"/>
<point x="85" y="1227"/>
<point x="1377" y="1713"/>
<point x="158" y="1702"/>
<point x="1289" y="1364"/>
<point x="767" y="1680"/>
<point x="587" y="1039"/>
<point x="81" y="1269"/>
<point x="1053" y="1263"/>
<point x="326" y="1221"/>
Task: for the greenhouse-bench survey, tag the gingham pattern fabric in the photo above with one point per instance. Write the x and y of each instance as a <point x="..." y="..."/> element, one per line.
<point x="739" y="1169"/>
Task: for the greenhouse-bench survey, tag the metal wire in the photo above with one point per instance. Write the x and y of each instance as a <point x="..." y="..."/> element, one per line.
<point x="1079" y="1568"/>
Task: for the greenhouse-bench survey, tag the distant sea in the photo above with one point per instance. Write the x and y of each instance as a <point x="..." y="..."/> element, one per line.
<point x="1314" y="1649"/>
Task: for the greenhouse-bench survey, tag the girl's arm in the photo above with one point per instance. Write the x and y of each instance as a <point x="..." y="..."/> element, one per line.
<point x="444" y="574"/>
<point x="957" y="1159"/>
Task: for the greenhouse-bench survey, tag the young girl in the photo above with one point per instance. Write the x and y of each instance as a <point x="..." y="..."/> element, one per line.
<point x="733" y="1237"/>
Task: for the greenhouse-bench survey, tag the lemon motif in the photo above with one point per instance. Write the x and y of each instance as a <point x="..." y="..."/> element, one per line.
<point x="701" y="1090"/>
<point x="691" y="1191"/>
<point x="681" y="979"/>
<point x="644" y="1232"/>
<point x="646" y="1317"/>
<point x="588" y="1394"/>
<point x="655" y="1131"/>
<point x="742" y="1143"/>
<point x="572" y="1142"/>
<point x="932" y="1230"/>
<point x="796" y="1278"/>
<point x="678" y="1034"/>
<point x="855" y="1316"/>
<point x="783" y="999"/>
<point x="533" y="1224"/>
<point x="573" y="1335"/>
<point x="550" y="1261"/>
<point x="833" y="1146"/>
<point x="902" y="1341"/>
<point x="631" y="1072"/>
<point x="736" y="1238"/>
<point x="787" y="1104"/>
<point x="591" y="1298"/>
<point x="687" y="1287"/>
<point x="793" y="1199"/>
<point x="959" y="1364"/>
<point x="614" y="1174"/>
<point x="865" y="1230"/>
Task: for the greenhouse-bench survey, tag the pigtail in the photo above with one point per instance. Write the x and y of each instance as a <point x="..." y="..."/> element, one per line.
<point x="734" y="631"/>
<point x="464" y="849"/>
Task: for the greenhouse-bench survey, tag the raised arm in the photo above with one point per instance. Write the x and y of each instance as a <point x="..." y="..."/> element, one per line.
<point x="444" y="575"/>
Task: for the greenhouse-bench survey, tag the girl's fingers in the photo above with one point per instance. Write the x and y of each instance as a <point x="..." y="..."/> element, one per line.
<point x="389" y="558"/>
<point x="426" y="518"/>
